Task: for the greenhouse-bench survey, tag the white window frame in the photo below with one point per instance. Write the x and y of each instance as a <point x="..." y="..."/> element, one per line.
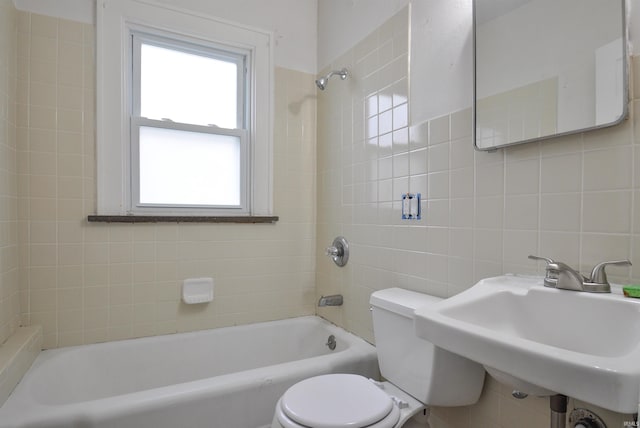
<point x="117" y="20"/>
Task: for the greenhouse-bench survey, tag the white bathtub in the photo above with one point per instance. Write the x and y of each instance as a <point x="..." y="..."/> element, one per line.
<point x="224" y="378"/>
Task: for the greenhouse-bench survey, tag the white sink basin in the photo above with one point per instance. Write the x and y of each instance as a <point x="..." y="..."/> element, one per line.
<point x="544" y="341"/>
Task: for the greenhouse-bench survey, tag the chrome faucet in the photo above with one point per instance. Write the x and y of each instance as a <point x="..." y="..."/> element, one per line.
<point x="333" y="300"/>
<point x="560" y="275"/>
<point x="570" y="279"/>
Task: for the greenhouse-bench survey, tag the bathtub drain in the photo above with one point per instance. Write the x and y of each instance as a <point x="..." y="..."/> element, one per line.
<point x="331" y="342"/>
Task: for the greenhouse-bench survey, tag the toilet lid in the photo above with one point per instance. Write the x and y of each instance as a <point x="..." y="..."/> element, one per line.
<point x="336" y="401"/>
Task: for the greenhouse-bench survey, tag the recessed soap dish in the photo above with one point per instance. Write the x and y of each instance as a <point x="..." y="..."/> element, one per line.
<point x="197" y="290"/>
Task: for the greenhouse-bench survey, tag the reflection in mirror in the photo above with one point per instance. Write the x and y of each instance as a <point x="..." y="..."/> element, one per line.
<point x="547" y="67"/>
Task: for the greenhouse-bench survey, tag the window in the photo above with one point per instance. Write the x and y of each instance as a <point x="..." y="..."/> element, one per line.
<point x="185" y="92"/>
<point x="188" y="125"/>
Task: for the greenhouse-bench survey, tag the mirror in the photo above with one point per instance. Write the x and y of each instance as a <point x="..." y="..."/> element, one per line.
<point x="544" y="68"/>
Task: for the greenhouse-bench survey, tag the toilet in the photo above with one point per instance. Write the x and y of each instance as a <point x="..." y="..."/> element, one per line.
<point x="417" y="375"/>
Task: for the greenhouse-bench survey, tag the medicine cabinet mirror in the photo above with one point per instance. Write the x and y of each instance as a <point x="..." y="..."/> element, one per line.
<point x="544" y="68"/>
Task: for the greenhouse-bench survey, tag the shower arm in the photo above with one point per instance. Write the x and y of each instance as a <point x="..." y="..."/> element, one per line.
<point x="324" y="80"/>
<point x="342" y="73"/>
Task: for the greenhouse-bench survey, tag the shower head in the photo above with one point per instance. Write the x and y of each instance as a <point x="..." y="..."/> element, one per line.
<point x="323" y="81"/>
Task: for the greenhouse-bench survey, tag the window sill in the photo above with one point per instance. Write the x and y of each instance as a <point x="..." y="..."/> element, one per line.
<point x="179" y="219"/>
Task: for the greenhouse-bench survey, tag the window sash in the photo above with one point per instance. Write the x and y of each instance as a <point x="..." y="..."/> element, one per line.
<point x="227" y="54"/>
<point x="138" y="207"/>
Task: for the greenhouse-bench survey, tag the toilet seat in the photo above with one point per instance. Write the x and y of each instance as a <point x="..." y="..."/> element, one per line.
<point x="336" y="401"/>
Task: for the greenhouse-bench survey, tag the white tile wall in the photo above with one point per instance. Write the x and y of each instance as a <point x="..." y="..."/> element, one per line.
<point x="95" y="282"/>
<point x="571" y="198"/>
<point x="9" y="295"/>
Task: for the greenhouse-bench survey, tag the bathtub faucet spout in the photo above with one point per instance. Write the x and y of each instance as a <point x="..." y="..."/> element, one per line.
<point x="333" y="300"/>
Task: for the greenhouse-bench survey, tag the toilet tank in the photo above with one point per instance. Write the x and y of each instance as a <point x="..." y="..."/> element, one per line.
<point x="431" y="375"/>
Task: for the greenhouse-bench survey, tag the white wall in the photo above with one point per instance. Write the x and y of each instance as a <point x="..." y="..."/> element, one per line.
<point x="633" y="14"/>
<point x="440" y="29"/>
<point x="75" y="10"/>
<point x="441" y="66"/>
<point x="292" y="21"/>
<point x="441" y="58"/>
<point x="343" y="23"/>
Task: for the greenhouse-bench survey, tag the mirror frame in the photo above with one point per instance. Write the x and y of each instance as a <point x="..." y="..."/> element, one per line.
<point x="625" y="83"/>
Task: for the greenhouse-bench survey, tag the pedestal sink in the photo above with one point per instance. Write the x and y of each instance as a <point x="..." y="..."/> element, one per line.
<point x="544" y="341"/>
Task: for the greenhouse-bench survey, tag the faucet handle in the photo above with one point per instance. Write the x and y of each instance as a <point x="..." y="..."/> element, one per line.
<point x="598" y="274"/>
<point x="333" y="251"/>
<point x="552" y="270"/>
<point x="546" y="259"/>
<point x="339" y="251"/>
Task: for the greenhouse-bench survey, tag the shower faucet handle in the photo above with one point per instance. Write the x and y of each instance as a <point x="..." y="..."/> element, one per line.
<point x="333" y="251"/>
<point x="339" y="251"/>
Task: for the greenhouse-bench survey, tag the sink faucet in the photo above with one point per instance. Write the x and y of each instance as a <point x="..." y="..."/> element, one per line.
<point x="569" y="279"/>
<point x="561" y="275"/>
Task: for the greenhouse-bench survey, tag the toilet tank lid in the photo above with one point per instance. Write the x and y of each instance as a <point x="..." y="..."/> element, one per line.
<point x="401" y="301"/>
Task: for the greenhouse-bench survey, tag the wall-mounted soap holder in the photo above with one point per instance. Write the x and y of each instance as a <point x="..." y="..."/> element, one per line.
<point x="339" y="251"/>
<point x="197" y="290"/>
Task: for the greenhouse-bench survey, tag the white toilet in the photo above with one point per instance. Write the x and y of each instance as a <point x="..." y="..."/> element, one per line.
<point x="418" y="375"/>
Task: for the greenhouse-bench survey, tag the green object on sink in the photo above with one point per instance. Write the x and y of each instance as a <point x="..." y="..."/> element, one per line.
<point x="631" y="291"/>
